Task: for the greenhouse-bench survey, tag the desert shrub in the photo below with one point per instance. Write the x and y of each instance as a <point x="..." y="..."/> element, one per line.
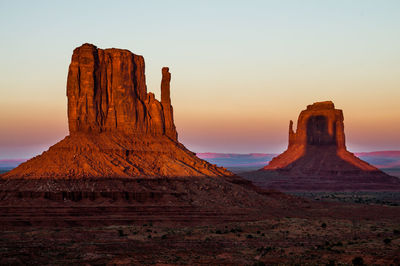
<point x="259" y="263"/>
<point x="236" y="230"/>
<point x="164" y="237"/>
<point x="358" y="261"/>
<point x="249" y="236"/>
<point x="218" y="232"/>
<point x="339" y="244"/>
<point x="396" y="232"/>
<point x="264" y="250"/>
<point x="323" y="225"/>
<point x="331" y="263"/>
<point x="387" y="241"/>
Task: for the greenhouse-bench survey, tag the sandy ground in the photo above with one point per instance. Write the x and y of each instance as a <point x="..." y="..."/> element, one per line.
<point x="272" y="241"/>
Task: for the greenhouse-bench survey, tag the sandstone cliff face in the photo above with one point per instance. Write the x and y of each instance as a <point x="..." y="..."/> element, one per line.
<point x="107" y="92"/>
<point x="319" y="127"/>
<point x="117" y="129"/>
<point x="320" y="124"/>
<point x="169" y="125"/>
<point x="317" y="157"/>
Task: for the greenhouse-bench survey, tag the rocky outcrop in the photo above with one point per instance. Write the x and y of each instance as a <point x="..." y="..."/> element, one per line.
<point x="169" y="126"/>
<point x="320" y="125"/>
<point x="107" y="92"/>
<point x="317" y="158"/>
<point x="117" y="128"/>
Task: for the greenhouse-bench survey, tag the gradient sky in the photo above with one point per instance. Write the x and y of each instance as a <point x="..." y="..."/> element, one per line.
<point x="240" y="69"/>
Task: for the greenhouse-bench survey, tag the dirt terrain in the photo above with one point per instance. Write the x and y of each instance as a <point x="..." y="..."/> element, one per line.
<point x="284" y="240"/>
<point x="187" y="221"/>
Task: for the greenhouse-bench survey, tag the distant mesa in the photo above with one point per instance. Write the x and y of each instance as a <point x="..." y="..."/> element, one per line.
<point x="117" y="128"/>
<point x="317" y="158"/>
<point x="320" y="128"/>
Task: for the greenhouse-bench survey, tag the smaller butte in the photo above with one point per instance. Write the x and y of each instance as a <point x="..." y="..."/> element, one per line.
<point x="317" y="158"/>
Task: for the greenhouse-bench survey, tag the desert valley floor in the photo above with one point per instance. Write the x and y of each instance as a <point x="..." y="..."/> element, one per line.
<point x="333" y="228"/>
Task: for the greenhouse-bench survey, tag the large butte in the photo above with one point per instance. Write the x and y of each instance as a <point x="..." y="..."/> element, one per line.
<point x="116" y="128"/>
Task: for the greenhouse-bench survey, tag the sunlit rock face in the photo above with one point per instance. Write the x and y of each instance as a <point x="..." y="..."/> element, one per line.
<point x="117" y="128"/>
<point x="317" y="156"/>
<point x="107" y="92"/>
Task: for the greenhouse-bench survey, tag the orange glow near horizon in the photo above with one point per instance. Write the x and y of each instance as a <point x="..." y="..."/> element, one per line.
<point x="240" y="72"/>
<point x="232" y="120"/>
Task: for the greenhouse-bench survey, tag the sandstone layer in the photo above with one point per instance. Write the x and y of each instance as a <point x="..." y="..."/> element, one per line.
<point x="317" y="158"/>
<point x="117" y="128"/>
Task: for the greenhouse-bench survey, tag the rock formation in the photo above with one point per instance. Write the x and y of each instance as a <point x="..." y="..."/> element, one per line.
<point x="117" y="128"/>
<point x="319" y="128"/>
<point x="122" y="162"/>
<point x="317" y="158"/>
<point x="107" y="92"/>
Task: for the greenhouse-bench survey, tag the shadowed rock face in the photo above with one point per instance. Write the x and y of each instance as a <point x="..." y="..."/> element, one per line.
<point x="319" y="127"/>
<point x="117" y="128"/>
<point x="317" y="158"/>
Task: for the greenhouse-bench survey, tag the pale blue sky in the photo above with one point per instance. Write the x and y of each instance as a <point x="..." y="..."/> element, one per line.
<point x="240" y="69"/>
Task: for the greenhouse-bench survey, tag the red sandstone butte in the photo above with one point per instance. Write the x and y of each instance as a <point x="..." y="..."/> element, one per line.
<point x="317" y="158"/>
<point x="107" y="92"/>
<point x="117" y="128"/>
